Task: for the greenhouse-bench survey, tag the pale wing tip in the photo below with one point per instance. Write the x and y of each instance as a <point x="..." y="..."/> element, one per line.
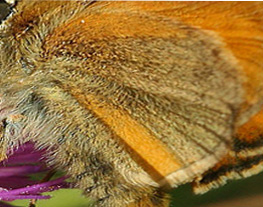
<point x="195" y="169"/>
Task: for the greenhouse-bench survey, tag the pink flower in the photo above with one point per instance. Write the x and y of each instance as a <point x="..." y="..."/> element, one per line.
<point x="16" y="172"/>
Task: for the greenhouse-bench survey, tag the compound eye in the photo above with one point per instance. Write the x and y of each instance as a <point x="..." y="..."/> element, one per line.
<point x="6" y="9"/>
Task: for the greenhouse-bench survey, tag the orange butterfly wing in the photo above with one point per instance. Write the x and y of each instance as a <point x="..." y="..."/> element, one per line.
<point x="237" y="24"/>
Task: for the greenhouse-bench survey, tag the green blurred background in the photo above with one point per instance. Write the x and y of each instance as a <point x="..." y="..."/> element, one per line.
<point x="241" y="193"/>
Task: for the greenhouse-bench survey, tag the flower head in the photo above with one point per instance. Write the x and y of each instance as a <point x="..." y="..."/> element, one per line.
<point x="16" y="175"/>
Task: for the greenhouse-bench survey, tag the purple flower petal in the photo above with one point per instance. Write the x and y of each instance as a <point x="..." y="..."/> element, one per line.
<point x="19" y="170"/>
<point x="38" y="188"/>
<point x="20" y="197"/>
<point x="32" y="157"/>
<point x="16" y="182"/>
<point x="15" y="172"/>
<point x="24" y="154"/>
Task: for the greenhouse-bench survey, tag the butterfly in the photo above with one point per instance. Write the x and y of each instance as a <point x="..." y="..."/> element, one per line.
<point x="135" y="98"/>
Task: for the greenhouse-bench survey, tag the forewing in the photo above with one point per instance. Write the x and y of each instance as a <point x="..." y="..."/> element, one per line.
<point x="166" y="79"/>
<point x="168" y="89"/>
